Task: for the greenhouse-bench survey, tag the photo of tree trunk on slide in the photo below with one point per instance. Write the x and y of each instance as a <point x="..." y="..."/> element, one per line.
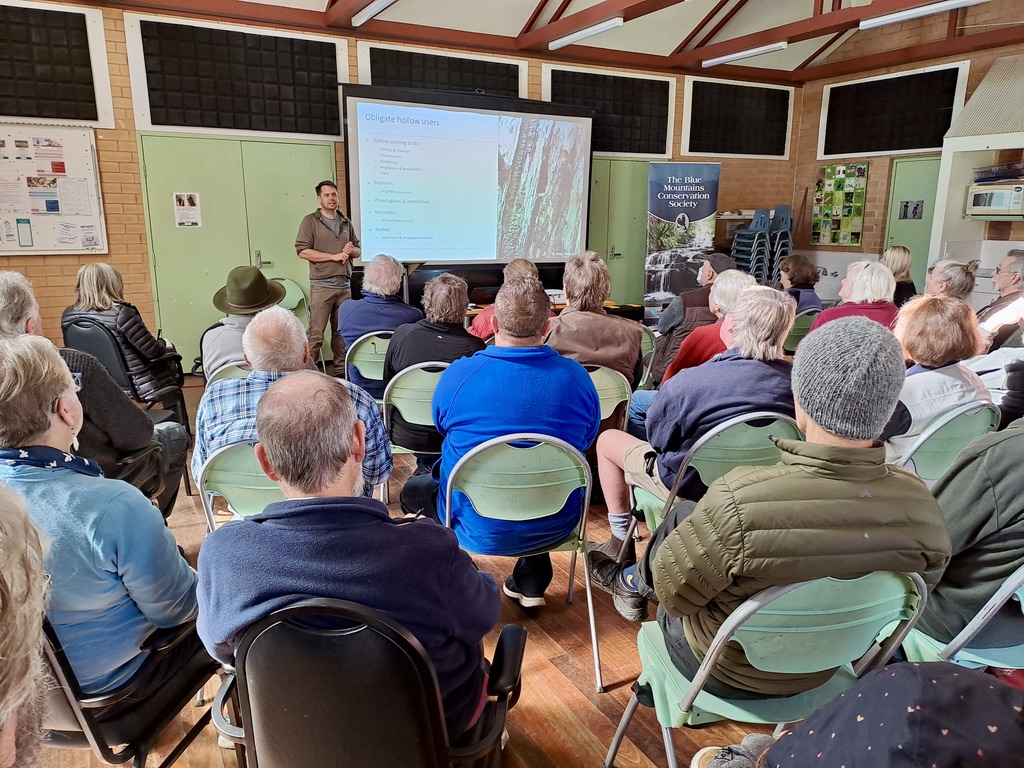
<point x="543" y="179"/>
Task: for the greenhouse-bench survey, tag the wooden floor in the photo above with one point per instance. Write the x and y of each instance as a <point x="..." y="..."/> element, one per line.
<point x="559" y="720"/>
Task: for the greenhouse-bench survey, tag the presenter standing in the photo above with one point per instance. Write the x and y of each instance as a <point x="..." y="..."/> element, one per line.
<point x="327" y="240"/>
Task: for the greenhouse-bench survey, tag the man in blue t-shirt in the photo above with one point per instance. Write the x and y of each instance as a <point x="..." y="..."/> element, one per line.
<point x="517" y="385"/>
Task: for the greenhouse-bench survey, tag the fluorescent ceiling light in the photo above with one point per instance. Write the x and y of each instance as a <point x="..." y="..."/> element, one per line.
<point x="605" y="26"/>
<point x="377" y="6"/>
<point x="916" y="13"/>
<point x="747" y="54"/>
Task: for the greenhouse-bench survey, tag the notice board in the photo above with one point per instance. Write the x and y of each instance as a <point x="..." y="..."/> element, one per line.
<point x="49" y="191"/>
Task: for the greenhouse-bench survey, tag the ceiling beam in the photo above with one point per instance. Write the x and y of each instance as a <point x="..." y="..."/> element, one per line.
<point x="538" y="39"/>
<point x="701" y="25"/>
<point x="828" y="44"/>
<point x="814" y="26"/>
<point x="537" y="10"/>
<point x="340" y="12"/>
<point x="939" y="49"/>
<point x="722" y="22"/>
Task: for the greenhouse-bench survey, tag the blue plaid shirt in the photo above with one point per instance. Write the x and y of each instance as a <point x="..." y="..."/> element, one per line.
<point x="227" y="414"/>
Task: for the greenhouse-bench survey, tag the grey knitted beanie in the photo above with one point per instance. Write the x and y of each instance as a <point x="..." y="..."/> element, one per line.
<point x="847" y="376"/>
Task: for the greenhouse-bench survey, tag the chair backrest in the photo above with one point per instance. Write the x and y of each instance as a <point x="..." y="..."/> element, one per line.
<point x="229" y="372"/>
<point x="91" y="336"/>
<point x="742" y="441"/>
<point x="760" y="222"/>
<point x="327" y="682"/>
<point x="801" y="327"/>
<point x="411" y="391"/>
<point x="367" y="355"/>
<point x="232" y="472"/>
<point x="647" y="345"/>
<point x="490" y="340"/>
<point x="781" y="219"/>
<point x="825" y="623"/>
<point x="612" y="392"/>
<point x="936" y="448"/>
<point x="295" y="300"/>
<point x="1015" y="339"/>
<point x="523" y="476"/>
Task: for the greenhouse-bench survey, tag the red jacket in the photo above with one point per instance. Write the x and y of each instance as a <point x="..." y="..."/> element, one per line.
<point x="700" y="346"/>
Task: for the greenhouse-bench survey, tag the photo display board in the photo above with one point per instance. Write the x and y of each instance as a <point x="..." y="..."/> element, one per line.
<point x="840" y="192"/>
<point x="49" y="191"/>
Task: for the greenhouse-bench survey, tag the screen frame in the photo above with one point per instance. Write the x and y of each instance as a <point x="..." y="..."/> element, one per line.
<point x="473" y="101"/>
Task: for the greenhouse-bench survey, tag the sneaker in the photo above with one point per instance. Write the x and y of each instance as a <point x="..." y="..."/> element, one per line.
<point x="606" y="574"/>
<point x="527" y="601"/>
<point x="612" y="547"/>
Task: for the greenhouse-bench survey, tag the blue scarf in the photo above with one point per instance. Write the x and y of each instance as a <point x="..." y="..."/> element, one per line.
<point x="48" y="458"/>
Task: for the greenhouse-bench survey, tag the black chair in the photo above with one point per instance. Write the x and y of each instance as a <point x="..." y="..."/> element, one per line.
<point x="1011" y="407"/>
<point x="142" y="469"/>
<point x="71" y="715"/>
<point x="89" y="335"/>
<point x="329" y="682"/>
<point x="92" y="336"/>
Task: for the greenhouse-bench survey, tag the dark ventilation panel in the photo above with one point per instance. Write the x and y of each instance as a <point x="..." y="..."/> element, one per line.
<point x="729" y="119"/>
<point x="892" y="114"/>
<point x="214" y="78"/>
<point x="45" y="69"/>
<point x="631" y="114"/>
<point x="406" y="69"/>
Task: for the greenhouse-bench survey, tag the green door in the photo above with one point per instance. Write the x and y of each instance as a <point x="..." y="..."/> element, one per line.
<point x="251" y="195"/>
<point x="912" y="208"/>
<point x="618" y="223"/>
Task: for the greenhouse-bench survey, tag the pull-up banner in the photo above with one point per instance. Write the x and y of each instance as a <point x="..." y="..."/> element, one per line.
<point x="682" y="203"/>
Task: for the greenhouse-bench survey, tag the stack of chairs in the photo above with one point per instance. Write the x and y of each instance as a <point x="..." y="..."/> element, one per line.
<point x="759" y="248"/>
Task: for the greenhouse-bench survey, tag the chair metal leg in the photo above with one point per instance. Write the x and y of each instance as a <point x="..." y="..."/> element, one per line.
<point x="385" y="494"/>
<point x="620" y="732"/>
<point x="188" y="482"/>
<point x="572" y="578"/>
<point x="670" y="751"/>
<point x="599" y="683"/>
<point x="625" y="542"/>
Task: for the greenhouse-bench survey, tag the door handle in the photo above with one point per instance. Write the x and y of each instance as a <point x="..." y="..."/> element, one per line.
<point x="613" y="254"/>
<point x="259" y="263"/>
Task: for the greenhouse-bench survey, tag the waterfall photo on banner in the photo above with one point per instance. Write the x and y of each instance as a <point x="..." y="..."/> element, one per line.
<point x="682" y="202"/>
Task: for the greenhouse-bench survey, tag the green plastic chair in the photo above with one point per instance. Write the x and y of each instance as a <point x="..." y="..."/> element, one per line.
<point x="647" y="343"/>
<point x="612" y="391"/>
<point x="798" y="628"/>
<point x="410" y="392"/>
<point x="229" y="372"/>
<point x="936" y="448"/>
<point x="921" y="647"/>
<point x="527" y="476"/>
<point x="295" y="299"/>
<point x="801" y="327"/>
<point x="739" y="442"/>
<point x="367" y="355"/>
<point x="232" y="472"/>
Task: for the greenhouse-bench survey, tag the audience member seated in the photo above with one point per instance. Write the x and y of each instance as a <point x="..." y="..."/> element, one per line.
<point x="1007" y="281"/>
<point x="687" y="311"/>
<point x="439" y="337"/>
<point x="340" y="545"/>
<point x="275" y="345"/>
<point x="951" y="278"/>
<point x="517" y="385"/>
<point x="584" y="331"/>
<point x="831" y="508"/>
<point x="901" y="716"/>
<point x="866" y="291"/>
<point x="99" y="295"/>
<point x="751" y="375"/>
<point x="980" y="496"/>
<point x="114" y="426"/>
<point x="482" y="327"/>
<point x="798" y="277"/>
<point x="936" y="333"/>
<point x="1011" y="406"/>
<point x="899" y="261"/>
<point x="380" y="309"/>
<point x="115" y="571"/>
<point x="246" y="293"/>
<point x="23" y="587"/>
<point x="701" y="345"/>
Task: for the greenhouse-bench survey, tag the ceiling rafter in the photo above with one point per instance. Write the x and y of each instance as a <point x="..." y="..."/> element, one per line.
<point x="815" y="26"/>
<point x="722" y="22"/>
<point x="701" y="25"/>
<point x="537" y="10"/>
<point x="538" y="39"/>
<point x="828" y="44"/>
<point x="340" y="12"/>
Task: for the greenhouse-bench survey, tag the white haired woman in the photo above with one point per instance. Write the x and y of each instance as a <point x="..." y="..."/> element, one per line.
<point x="99" y="295"/>
<point x="950" y="277"/>
<point x="866" y="290"/>
<point x="380" y="309"/>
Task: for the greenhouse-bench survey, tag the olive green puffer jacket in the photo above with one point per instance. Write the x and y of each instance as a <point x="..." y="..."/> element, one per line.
<point x="822" y="511"/>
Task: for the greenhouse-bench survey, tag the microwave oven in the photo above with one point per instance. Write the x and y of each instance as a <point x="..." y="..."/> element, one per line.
<point x="1003" y="199"/>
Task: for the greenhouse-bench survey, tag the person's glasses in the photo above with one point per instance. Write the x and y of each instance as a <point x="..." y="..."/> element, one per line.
<point x="998" y="270"/>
